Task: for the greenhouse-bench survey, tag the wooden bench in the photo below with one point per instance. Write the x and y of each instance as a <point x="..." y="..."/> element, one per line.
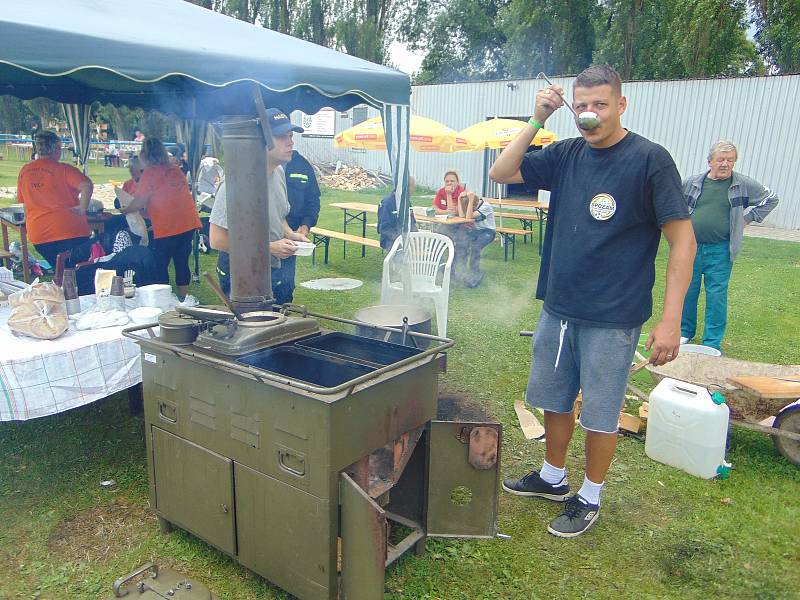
<point x="324" y="236"/>
<point x="509" y="237"/>
<point x="526" y="219"/>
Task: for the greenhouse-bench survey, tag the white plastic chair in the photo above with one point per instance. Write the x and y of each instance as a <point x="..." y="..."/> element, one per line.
<point x="430" y="259"/>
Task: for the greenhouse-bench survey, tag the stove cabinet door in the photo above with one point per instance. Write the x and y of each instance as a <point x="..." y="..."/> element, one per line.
<point x="364" y="543"/>
<point x="463" y="477"/>
<point x="194" y="489"/>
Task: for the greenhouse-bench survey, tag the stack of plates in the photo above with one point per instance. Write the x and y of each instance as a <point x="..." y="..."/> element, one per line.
<point x="157" y="294"/>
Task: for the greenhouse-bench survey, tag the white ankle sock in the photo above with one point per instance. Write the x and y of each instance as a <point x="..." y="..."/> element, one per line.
<point x="552" y="475"/>
<point x="590" y="491"/>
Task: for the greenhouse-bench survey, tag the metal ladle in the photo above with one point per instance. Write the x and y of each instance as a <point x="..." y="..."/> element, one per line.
<point x="586" y="120"/>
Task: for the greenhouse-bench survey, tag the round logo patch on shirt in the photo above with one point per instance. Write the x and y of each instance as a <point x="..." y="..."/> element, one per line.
<point x="602" y="207"/>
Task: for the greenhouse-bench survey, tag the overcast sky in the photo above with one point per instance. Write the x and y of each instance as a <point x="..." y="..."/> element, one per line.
<point x="404" y="59"/>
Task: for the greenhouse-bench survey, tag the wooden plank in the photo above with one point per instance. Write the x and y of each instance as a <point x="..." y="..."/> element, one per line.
<point x="644" y="410"/>
<point x="630" y="422"/>
<point x="346" y="237"/>
<point x="517" y="203"/>
<point x="510" y="231"/>
<point x="448" y="221"/>
<point x="362" y="206"/>
<point x="769" y="387"/>
<point x="520" y="216"/>
<point x="531" y="428"/>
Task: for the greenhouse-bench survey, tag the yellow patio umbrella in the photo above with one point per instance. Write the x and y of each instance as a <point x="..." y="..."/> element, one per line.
<point x="426" y="135"/>
<point x="498" y="133"/>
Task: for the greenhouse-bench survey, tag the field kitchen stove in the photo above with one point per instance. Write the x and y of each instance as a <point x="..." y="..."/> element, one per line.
<point x="292" y="447"/>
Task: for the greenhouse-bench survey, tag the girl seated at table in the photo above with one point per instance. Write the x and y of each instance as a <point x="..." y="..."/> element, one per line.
<point x="479" y="234"/>
<point x="446" y="200"/>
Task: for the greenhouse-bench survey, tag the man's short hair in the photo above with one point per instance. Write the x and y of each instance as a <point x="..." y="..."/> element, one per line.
<point x="722" y="146"/>
<point x="46" y="142"/>
<point x="596" y="75"/>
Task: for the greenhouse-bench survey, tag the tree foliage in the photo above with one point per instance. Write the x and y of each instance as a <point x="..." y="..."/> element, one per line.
<point x="643" y="39"/>
<point x="778" y="33"/>
<point x="15" y="116"/>
<point x="676" y="38"/>
<point x="124" y="121"/>
<point x="555" y="37"/>
<point x="362" y="28"/>
<point x="461" y="38"/>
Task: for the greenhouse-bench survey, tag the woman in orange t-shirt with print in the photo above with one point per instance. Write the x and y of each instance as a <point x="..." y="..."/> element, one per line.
<point x="164" y="192"/>
<point x="55" y="196"/>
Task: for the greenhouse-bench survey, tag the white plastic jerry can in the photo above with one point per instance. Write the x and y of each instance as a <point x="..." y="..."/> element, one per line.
<point x="687" y="429"/>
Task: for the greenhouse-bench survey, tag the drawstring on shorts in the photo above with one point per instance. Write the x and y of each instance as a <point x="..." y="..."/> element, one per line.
<point x="561" y="334"/>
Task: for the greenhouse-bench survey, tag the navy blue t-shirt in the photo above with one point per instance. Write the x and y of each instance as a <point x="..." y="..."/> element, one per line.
<point x="607" y="206"/>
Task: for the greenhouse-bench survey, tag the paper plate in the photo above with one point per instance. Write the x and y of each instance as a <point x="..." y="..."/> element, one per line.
<point x="333" y="283"/>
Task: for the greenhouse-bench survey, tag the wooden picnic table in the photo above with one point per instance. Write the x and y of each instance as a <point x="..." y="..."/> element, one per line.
<point x="437" y="220"/>
<point x="355" y="211"/>
<point x="537" y="208"/>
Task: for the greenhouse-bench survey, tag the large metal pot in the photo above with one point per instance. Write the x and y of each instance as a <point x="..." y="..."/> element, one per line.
<point x="175" y="328"/>
<point x="391" y="315"/>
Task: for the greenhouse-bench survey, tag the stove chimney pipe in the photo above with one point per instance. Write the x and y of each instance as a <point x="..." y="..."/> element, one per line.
<point x="248" y="215"/>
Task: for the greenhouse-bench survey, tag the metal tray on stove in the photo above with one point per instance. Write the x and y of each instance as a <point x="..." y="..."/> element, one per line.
<point x="306" y="365"/>
<point x="365" y="351"/>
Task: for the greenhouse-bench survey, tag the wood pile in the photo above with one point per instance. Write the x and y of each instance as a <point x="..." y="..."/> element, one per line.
<point x="349" y="178"/>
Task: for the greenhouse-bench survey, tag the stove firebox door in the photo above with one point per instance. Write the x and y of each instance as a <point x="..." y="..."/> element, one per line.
<point x="463" y="477"/>
<point x="364" y="543"/>
<point x="194" y="489"/>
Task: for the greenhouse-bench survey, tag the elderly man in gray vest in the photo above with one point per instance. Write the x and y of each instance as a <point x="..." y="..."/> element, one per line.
<point x="721" y="203"/>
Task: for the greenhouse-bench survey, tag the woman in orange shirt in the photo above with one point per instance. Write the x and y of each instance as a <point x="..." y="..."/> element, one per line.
<point x="164" y="192"/>
<point x="55" y="196"/>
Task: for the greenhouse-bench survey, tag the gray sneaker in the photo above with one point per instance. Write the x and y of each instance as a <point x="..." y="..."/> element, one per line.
<point x="578" y="516"/>
<point x="532" y="485"/>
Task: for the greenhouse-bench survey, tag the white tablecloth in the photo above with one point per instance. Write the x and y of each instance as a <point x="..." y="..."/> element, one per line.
<point x="44" y="377"/>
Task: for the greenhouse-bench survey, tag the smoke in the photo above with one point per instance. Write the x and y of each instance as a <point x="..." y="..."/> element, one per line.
<point x="513" y="302"/>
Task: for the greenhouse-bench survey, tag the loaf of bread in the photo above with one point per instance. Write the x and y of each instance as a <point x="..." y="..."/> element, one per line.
<point x="39" y="319"/>
<point x="48" y="291"/>
<point x="39" y="312"/>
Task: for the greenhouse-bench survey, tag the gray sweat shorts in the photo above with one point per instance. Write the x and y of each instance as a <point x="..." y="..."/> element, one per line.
<point x="568" y="358"/>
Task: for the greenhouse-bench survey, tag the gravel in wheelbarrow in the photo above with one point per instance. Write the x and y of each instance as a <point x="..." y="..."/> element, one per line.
<point x="705" y="370"/>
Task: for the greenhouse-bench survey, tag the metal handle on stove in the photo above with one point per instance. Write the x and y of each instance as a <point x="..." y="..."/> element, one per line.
<point x="260" y="375"/>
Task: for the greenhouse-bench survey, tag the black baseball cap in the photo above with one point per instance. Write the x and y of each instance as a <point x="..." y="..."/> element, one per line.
<point x="280" y="124"/>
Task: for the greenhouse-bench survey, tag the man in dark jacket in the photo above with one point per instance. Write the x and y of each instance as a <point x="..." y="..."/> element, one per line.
<point x="303" y="191"/>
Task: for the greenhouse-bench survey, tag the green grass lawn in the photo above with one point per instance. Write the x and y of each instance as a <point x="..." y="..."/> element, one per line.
<point x="663" y="533"/>
<point x="9" y="169"/>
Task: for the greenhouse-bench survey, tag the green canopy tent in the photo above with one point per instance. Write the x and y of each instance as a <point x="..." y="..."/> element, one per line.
<point x="137" y="56"/>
